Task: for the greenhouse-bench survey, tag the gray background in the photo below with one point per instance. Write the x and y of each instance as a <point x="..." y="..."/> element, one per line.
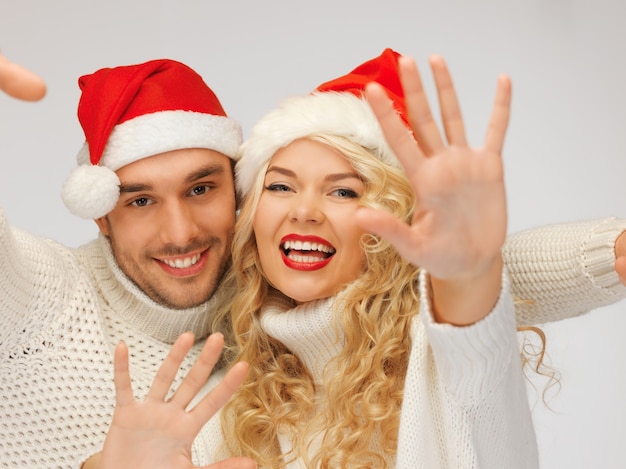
<point x="563" y="156"/>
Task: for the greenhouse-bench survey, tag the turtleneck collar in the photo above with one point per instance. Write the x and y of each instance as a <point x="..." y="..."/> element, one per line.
<point x="308" y="330"/>
<point x="131" y="305"/>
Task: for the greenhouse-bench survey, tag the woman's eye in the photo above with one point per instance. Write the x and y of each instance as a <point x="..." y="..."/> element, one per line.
<point x="278" y="188"/>
<point x="346" y="193"/>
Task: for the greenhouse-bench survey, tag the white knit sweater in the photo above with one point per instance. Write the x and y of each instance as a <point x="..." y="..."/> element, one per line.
<point x="564" y="270"/>
<point x="63" y="310"/>
<point x="464" y="404"/>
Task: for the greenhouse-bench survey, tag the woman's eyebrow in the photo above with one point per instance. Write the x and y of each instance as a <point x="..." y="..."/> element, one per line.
<point x="329" y="177"/>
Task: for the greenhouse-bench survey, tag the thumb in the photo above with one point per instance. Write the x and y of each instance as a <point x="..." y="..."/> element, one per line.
<point x="392" y="229"/>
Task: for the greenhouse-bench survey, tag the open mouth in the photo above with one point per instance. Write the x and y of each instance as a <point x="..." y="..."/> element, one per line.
<point x="304" y="252"/>
<point x="184" y="266"/>
<point x="182" y="263"/>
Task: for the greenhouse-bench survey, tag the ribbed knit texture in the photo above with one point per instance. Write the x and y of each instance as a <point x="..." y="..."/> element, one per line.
<point x="63" y="310"/>
<point x="562" y="271"/>
<point x="309" y="331"/>
<point x="465" y="403"/>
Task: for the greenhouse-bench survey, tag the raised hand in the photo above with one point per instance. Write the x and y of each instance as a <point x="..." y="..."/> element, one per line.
<point x="19" y="82"/>
<point x="158" y="432"/>
<point x="459" y="225"/>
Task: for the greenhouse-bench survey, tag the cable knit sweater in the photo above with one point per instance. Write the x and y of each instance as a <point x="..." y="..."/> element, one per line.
<point x="63" y="310"/>
<point x="464" y="404"/>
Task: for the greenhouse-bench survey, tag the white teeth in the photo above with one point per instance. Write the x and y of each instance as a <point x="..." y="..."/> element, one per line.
<point x="307" y="246"/>
<point x="303" y="259"/>
<point x="182" y="263"/>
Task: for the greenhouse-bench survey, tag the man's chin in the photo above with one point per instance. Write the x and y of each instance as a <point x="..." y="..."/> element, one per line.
<point x="178" y="293"/>
<point x="193" y="297"/>
<point x="176" y="302"/>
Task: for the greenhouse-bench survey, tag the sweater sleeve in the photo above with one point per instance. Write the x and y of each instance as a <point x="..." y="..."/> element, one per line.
<point x="465" y="402"/>
<point x="36" y="276"/>
<point x="565" y="270"/>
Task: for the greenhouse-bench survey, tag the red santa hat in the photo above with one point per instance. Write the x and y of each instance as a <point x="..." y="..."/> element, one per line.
<point x="135" y="111"/>
<point x="337" y="107"/>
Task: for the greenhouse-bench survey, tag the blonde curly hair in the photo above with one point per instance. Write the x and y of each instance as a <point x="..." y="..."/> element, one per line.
<point x="368" y="374"/>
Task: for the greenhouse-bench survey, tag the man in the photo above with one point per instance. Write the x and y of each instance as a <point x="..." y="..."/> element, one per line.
<point x="156" y="176"/>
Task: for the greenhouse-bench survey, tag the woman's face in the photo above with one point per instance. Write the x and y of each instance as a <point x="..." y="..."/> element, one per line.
<point x="308" y="241"/>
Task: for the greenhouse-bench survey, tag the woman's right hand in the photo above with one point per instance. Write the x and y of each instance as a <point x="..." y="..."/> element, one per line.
<point x="19" y="82"/>
<point x="459" y="224"/>
<point x="158" y="432"/>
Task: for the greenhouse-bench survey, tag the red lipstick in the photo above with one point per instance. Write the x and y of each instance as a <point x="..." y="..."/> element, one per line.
<point x="305" y="252"/>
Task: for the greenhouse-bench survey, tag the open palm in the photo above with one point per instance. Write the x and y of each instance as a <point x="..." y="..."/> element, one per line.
<point x="459" y="225"/>
<point x="158" y="432"/>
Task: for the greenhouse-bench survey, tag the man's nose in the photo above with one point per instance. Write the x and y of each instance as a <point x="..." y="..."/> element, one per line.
<point x="178" y="224"/>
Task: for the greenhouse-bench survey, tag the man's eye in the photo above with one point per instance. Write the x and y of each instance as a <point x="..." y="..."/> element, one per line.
<point x="141" y="202"/>
<point x="200" y="190"/>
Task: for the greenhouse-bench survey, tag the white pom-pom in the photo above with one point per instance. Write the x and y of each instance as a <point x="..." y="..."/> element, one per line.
<point x="91" y="191"/>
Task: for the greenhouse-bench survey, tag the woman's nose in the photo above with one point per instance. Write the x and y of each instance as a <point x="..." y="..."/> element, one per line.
<point x="306" y="208"/>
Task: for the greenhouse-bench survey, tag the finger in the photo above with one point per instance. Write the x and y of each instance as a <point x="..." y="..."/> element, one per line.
<point x="448" y="102"/>
<point x="238" y="462"/>
<point x="19" y="82"/>
<point x="620" y="268"/>
<point x="395" y="231"/>
<point x="395" y="131"/>
<point x="424" y="126"/>
<point x="121" y="377"/>
<point x="200" y="371"/>
<point x="170" y="366"/>
<point x="499" y="121"/>
<point x="220" y="395"/>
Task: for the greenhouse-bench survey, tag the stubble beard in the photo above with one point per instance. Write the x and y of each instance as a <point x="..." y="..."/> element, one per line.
<point x="193" y="293"/>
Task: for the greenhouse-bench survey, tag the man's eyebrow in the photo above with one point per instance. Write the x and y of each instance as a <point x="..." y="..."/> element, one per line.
<point x="208" y="170"/>
<point x="200" y="173"/>
<point x="134" y="187"/>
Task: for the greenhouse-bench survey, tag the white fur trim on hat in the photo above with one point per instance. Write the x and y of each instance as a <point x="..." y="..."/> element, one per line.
<point x="150" y="134"/>
<point x="335" y="113"/>
<point x="159" y="132"/>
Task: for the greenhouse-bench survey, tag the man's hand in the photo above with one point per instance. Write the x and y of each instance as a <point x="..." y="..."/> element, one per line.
<point x="19" y="82"/>
<point x="158" y="432"/>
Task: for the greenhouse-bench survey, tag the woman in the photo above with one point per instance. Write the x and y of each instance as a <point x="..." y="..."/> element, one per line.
<point x="331" y="313"/>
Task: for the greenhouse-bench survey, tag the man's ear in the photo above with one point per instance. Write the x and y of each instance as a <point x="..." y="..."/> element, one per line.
<point x="103" y="225"/>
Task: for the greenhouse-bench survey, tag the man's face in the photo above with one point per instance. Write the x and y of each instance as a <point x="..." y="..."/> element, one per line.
<point x="172" y="227"/>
